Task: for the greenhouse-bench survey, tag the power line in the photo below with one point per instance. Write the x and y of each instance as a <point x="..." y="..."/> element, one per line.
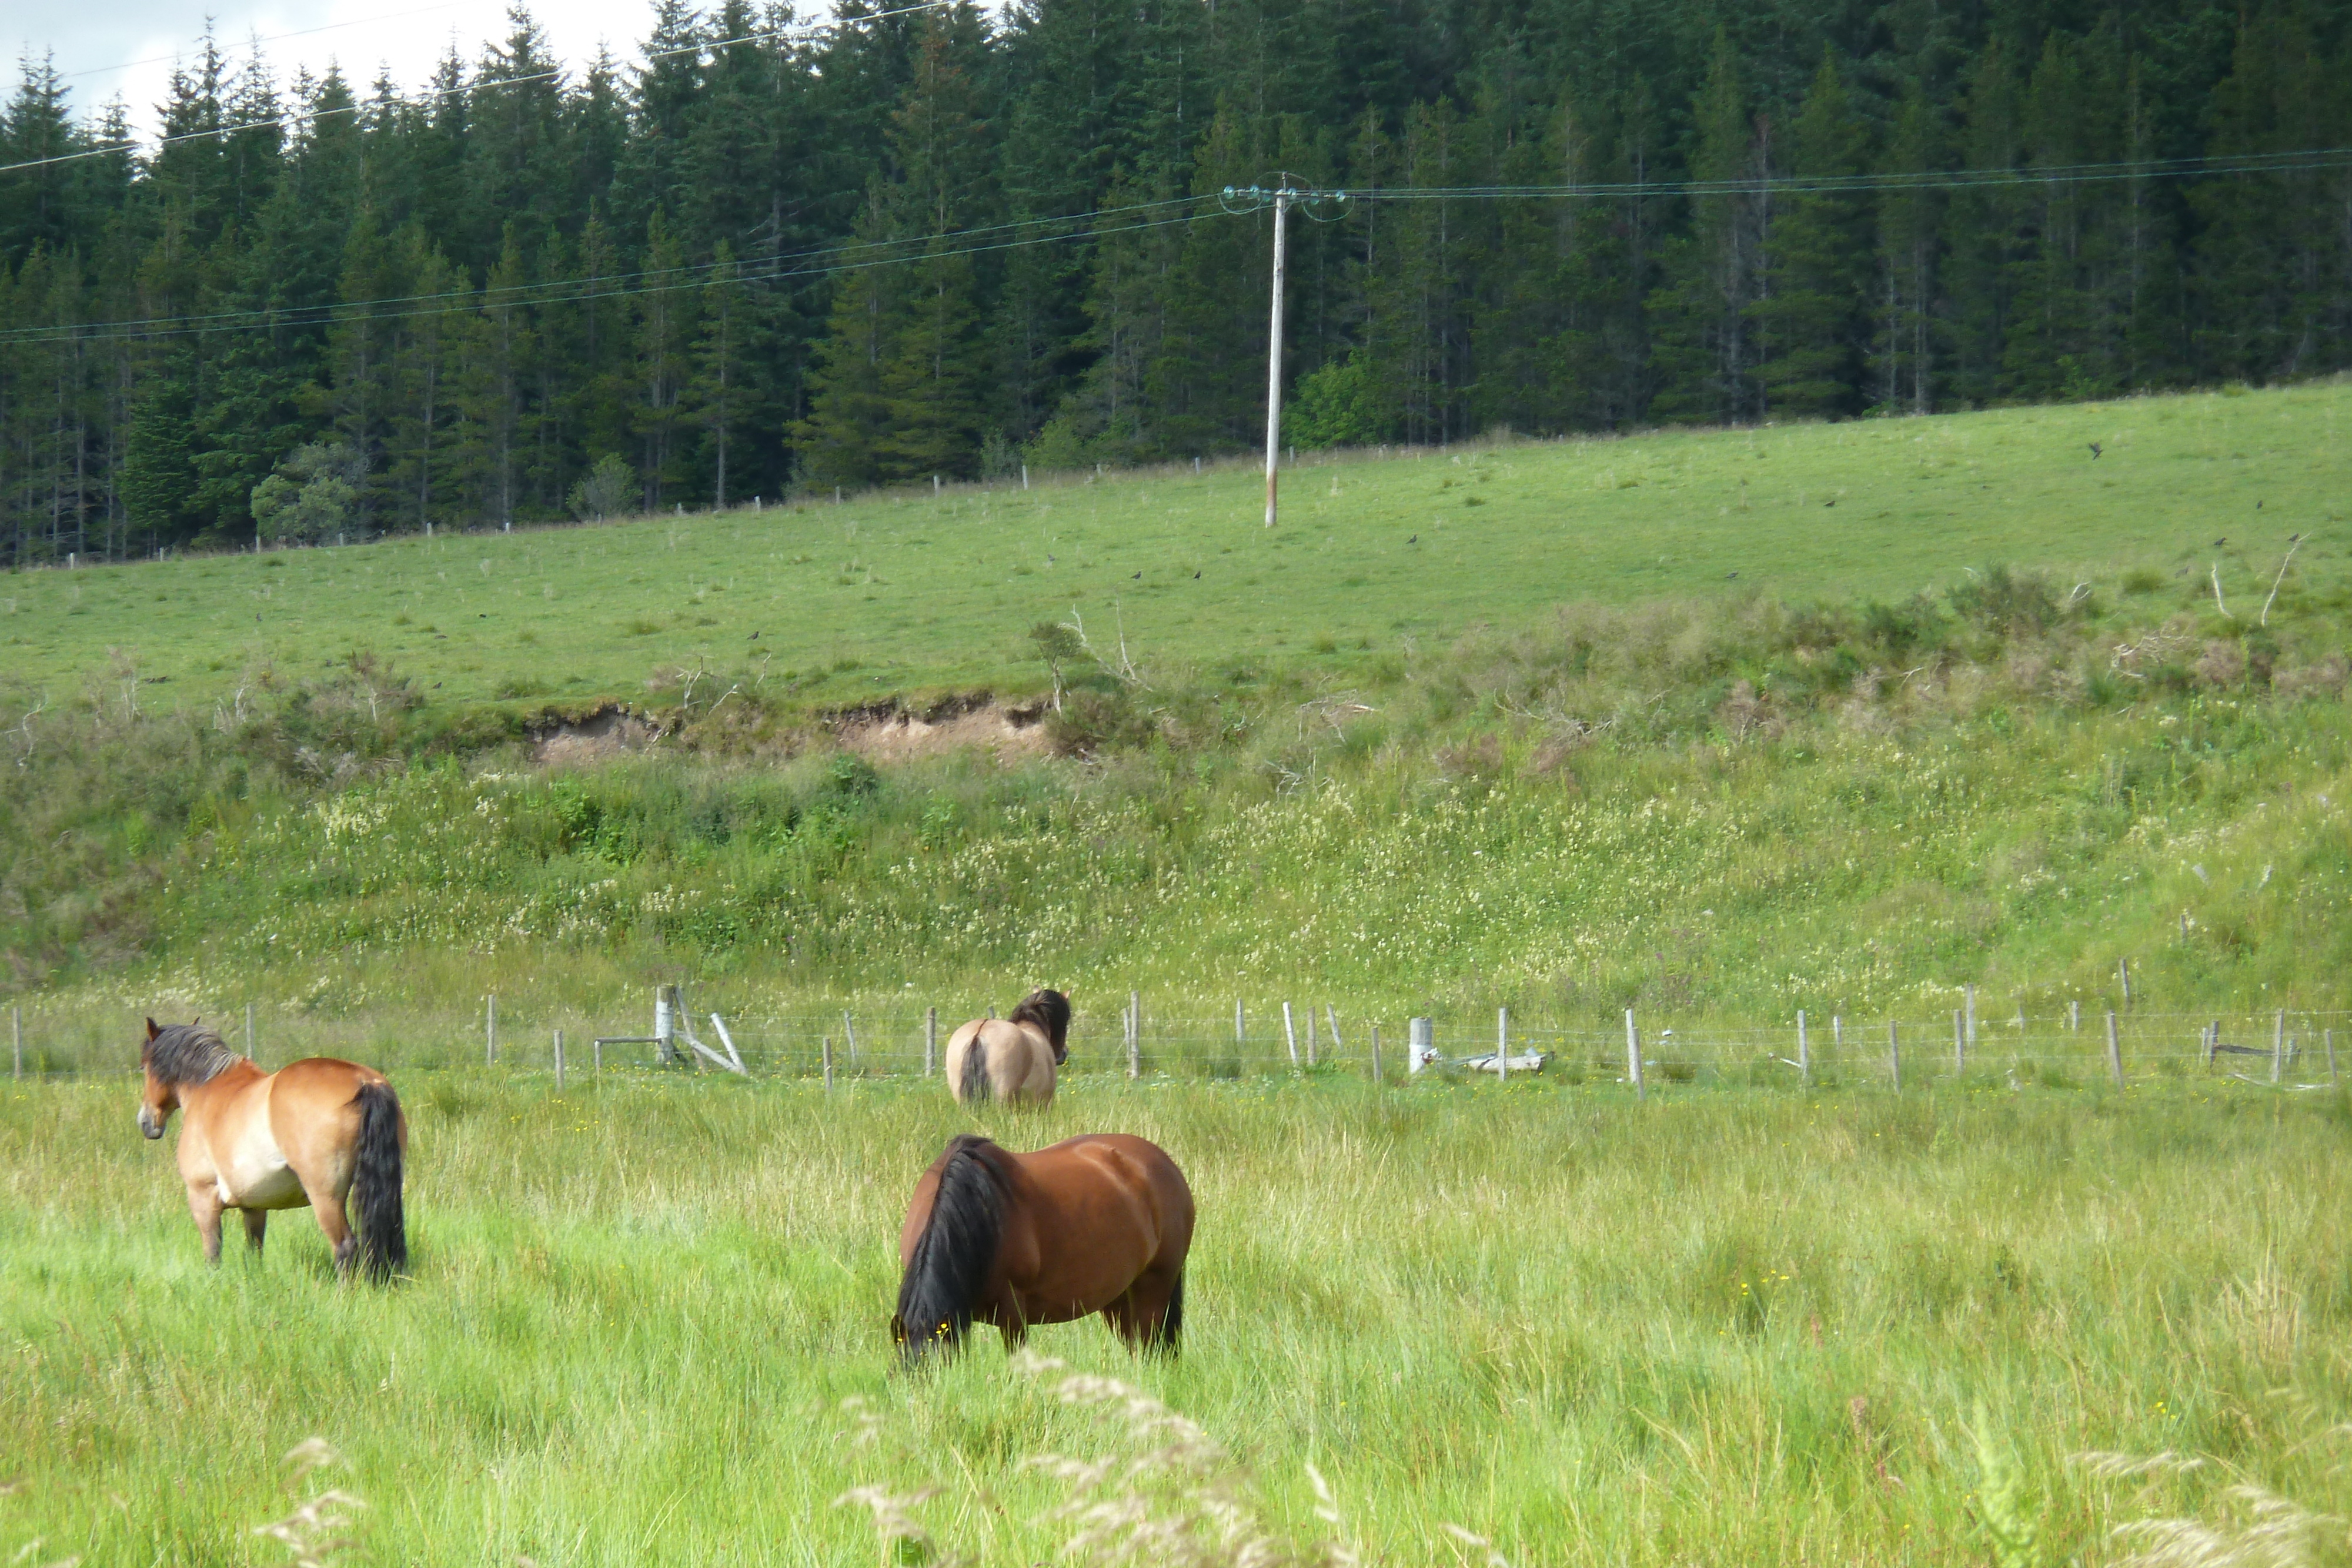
<point x="284" y="121"/>
<point x="758" y="272"/>
<point x="2305" y="161"/>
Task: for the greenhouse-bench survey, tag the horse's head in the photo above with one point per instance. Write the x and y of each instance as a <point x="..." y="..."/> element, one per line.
<point x="161" y="1096"/>
<point x="1050" y="1011"/>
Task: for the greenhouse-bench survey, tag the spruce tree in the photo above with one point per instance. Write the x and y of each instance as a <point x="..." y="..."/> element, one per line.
<point x="1812" y="324"/>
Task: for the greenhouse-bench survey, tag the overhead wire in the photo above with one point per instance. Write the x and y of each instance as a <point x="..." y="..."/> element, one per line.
<point x="285" y="121"/>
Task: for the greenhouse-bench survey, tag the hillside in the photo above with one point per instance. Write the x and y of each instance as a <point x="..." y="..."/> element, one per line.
<point x="1409" y="774"/>
<point x="903" y="593"/>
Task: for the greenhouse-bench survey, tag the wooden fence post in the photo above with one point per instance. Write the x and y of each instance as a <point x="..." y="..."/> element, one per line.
<point x="596" y="1048"/>
<point x="2278" y="1044"/>
<point x="1134" y="1035"/>
<point x="931" y="1037"/>
<point x="828" y="1063"/>
<point x="558" y="1062"/>
<point x="1503" y="1044"/>
<point x="2123" y="978"/>
<point x="1971" y="992"/>
<point x="1339" y="1046"/>
<point x="1420" y="1044"/>
<point x="1894" y="1055"/>
<point x="2075" y="1017"/>
<point x="1837" y="1035"/>
<point x="1290" y="1035"/>
<point x="1804" y="1052"/>
<point x="849" y="1033"/>
<point x="1241" y="1035"/>
<point x="1633" y="1056"/>
<point x="1376" y="1053"/>
<point x="1310" y="1034"/>
<point x="2115" y="1052"/>
<point x="491" y="1033"/>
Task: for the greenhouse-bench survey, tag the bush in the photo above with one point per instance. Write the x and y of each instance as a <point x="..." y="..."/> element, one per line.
<point x="312" y="499"/>
<point x="1337" y="406"/>
<point x="609" y="489"/>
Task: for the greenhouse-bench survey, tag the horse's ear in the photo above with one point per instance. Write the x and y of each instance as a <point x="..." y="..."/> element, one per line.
<point x="152" y="1030"/>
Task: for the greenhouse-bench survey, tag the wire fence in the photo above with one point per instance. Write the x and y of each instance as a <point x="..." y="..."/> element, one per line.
<point x="2292" y="1049"/>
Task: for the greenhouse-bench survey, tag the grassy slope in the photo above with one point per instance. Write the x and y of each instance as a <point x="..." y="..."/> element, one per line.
<point x="907" y="593"/>
<point x="1529" y="1313"/>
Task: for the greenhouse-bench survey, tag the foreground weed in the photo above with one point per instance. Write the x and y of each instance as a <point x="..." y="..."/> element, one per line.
<point x="313" y="1534"/>
<point x="2258" y="1527"/>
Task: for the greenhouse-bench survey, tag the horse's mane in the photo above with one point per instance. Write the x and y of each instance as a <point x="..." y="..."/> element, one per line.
<point x="1049" y="1010"/>
<point x="186" y="1053"/>
<point x="957" y="1250"/>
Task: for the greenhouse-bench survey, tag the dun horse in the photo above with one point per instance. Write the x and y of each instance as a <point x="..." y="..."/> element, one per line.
<point x="308" y="1133"/>
<point x="1012" y="1059"/>
<point x="1094" y="1224"/>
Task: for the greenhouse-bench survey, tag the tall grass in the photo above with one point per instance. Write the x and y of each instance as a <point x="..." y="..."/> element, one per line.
<point x="1535" y="1315"/>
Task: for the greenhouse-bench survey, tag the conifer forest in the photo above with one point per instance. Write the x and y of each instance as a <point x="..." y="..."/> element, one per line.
<point x="775" y="257"/>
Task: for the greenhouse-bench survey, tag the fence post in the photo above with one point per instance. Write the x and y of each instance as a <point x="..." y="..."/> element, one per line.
<point x="1804" y="1052"/>
<point x="1134" y="1035"/>
<point x="2278" y="1044"/>
<point x="1895" y="1055"/>
<point x="828" y="1064"/>
<point x="2075" y="1017"/>
<point x="1959" y="1046"/>
<point x="596" y="1050"/>
<point x="2329" y="1036"/>
<point x="665" y="1025"/>
<point x="1970" y="991"/>
<point x="931" y="1037"/>
<point x="1332" y="1017"/>
<point x="849" y="1033"/>
<point x="1290" y="1035"/>
<point x="1633" y="1056"/>
<point x="1503" y="1043"/>
<point x="1310" y="1034"/>
<point x="1837" y="1035"/>
<point x="1420" y="1044"/>
<point x="1241" y="1035"/>
<point x="1376" y="1053"/>
<point x="558" y="1062"/>
<point x="2123" y="978"/>
<point x="491" y="1033"/>
<point x="2115" y="1052"/>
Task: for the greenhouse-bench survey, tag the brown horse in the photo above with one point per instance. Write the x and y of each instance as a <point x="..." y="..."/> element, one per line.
<point x="1094" y="1224"/>
<point x="306" y="1135"/>
<point x="1012" y="1059"/>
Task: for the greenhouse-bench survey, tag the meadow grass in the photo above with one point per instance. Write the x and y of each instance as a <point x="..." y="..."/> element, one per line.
<point x="903" y="592"/>
<point x="647" y="1324"/>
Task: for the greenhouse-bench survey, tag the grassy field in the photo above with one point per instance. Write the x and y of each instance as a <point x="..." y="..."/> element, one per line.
<point x="907" y="593"/>
<point x="647" y="1324"/>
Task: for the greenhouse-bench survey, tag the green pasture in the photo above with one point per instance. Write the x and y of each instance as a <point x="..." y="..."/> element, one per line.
<point x="909" y="592"/>
<point x="647" y="1324"/>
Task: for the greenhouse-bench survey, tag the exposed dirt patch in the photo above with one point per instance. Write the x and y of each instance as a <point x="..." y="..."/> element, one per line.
<point x="609" y="732"/>
<point x="891" y="732"/>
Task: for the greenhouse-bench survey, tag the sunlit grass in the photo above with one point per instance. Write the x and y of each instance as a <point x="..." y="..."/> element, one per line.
<point x="1713" y="1328"/>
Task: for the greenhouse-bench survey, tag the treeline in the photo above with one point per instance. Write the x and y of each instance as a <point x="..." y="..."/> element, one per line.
<point x="775" y="258"/>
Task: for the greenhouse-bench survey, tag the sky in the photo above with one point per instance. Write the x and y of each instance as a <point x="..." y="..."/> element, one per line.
<point x="127" y="47"/>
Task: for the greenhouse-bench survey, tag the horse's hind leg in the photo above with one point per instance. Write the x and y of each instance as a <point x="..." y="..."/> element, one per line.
<point x="327" y="1204"/>
<point x="257" y="1225"/>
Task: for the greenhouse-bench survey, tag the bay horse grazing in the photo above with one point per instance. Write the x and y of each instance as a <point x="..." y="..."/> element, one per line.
<point x="312" y="1133"/>
<point x="1096" y="1224"/>
<point x="1012" y="1059"/>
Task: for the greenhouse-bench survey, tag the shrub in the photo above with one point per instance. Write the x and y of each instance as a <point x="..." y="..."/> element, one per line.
<point x="609" y="489"/>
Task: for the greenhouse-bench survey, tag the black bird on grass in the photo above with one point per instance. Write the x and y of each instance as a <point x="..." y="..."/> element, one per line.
<point x="2095" y="451"/>
<point x="1414" y="540"/>
<point x="1139" y="577"/>
<point x="2219" y="542"/>
<point x="1728" y="576"/>
<point x="755" y="636"/>
<point x="1196" y="576"/>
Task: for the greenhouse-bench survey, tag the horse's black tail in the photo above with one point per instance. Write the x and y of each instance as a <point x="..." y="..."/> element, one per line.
<point x="383" y="1229"/>
<point x="1171" y="1320"/>
<point x="975" y="1087"/>
<point x="954" y="1254"/>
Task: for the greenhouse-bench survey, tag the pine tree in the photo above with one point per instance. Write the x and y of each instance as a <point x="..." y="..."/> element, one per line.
<point x="1812" y="323"/>
<point x="1705" y="353"/>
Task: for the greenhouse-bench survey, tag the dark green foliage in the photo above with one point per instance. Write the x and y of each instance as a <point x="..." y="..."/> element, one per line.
<point x="768" y="261"/>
